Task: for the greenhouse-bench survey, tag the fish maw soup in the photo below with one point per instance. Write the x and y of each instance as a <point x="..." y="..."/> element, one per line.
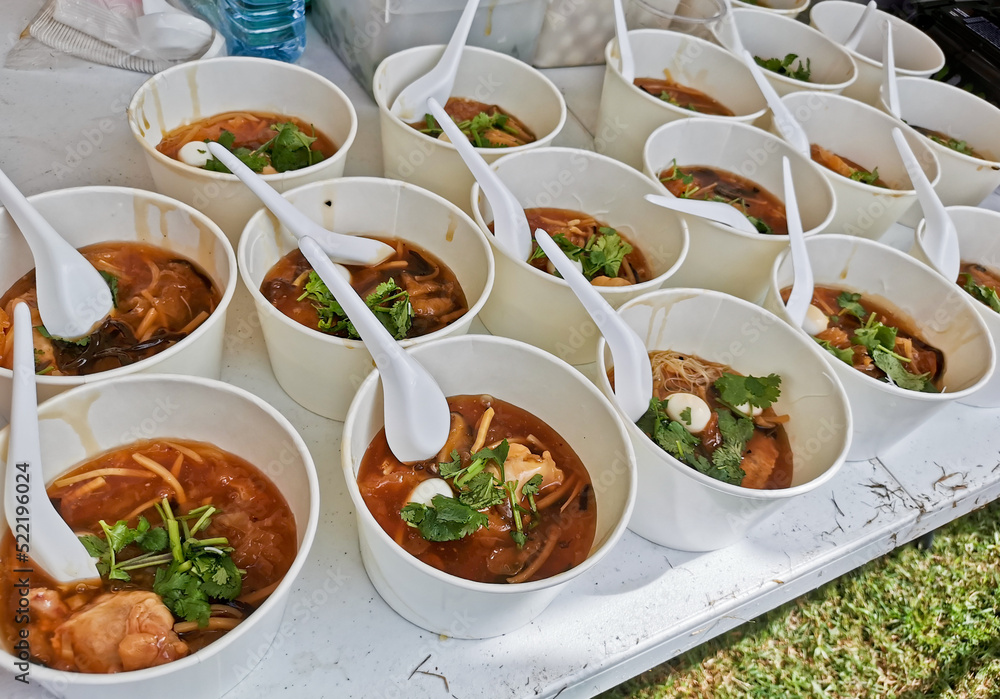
<point x="507" y="500"/>
<point x="191" y="540"/>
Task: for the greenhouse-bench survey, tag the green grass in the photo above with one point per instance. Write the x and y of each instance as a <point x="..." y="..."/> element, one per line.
<point x="915" y="623"/>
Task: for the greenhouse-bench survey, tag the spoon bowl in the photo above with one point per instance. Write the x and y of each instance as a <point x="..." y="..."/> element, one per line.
<point x="715" y="211"/>
<point x="854" y="38"/>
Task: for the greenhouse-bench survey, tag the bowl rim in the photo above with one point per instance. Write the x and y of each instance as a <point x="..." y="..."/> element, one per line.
<point x="932" y="277"/>
<point x="385" y="111"/>
<point x="785" y="19"/>
<point x="952" y="93"/>
<point x="243" y="251"/>
<point x="190" y="68"/>
<point x="372" y="527"/>
<point x="800" y="6"/>
<point x="891" y="121"/>
<point x="782" y="143"/>
<point x="281" y="591"/>
<point x="720" y="7"/>
<point x="224" y="303"/>
<point x="898" y="26"/>
<point x="666" y="35"/>
<point x="610" y="292"/>
<point x="728" y="488"/>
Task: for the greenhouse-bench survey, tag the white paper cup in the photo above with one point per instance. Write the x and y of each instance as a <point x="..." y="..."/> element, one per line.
<point x="721" y="257"/>
<point x="676" y="505"/>
<point x="915" y="53"/>
<point x="863" y="134"/>
<point x="628" y="115"/>
<point x="771" y="34"/>
<point x="978" y="241"/>
<point x="89" y="420"/>
<point x="197" y="90"/>
<point x="534" y="381"/>
<point x="484" y="76"/>
<point x="786" y="8"/>
<point x="941" y="312"/>
<point x="695" y="17"/>
<point x="533" y="306"/>
<point x="88" y="215"/>
<point x="965" y="180"/>
<point x="321" y="372"/>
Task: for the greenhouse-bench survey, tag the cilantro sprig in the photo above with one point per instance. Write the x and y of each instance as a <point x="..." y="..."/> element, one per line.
<point x="756" y="391"/>
<point x="983" y="294"/>
<point x="601" y="255"/>
<point x="865" y="177"/>
<point x="390" y="304"/>
<point x="783" y="66"/>
<point x="880" y="341"/>
<point x="289" y="149"/>
<point x="953" y="143"/>
<point x="669" y="98"/>
<point x="475" y="128"/>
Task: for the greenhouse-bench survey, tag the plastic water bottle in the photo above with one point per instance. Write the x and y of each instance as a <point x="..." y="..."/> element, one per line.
<point x="265" y="28"/>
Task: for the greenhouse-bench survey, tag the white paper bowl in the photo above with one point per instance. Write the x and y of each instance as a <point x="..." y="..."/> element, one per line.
<point x="534" y="381"/>
<point x="87" y="215"/>
<point x="628" y="114"/>
<point x="92" y="419"/>
<point x="773" y="34"/>
<point x="863" y="134"/>
<point x="942" y="313"/>
<point x="965" y="180"/>
<point x="484" y="76"/>
<point x="978" y="241"/>
<point x="721" y="257"/>
<point x="915" y="53"/>
<point x="681" y="508"/>
<point x="533" y="306"/>
<point x="319" y="371"/>
<point x="695" y="17"/>
<point x="786" y="8"/>
<point x="192" y="91"/>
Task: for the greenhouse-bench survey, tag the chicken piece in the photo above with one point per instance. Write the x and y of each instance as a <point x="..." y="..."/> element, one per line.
<point x="603" y="280"/>
<point x="119" y="631"/>
<point x="521" y="465"/>
<point x="759" y="460"/>
<point x="47" y="609"/>
<point x="432" y="306"/>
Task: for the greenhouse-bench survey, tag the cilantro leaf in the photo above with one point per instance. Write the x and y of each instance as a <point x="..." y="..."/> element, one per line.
<point x="432" y="129"/>
<point x="531" y="488"/>
<point x="392" y="307"/>
<point x="686" y="416"/>
<point x="954" y="144"/>
<point x="226" y="139"/>
<point x="220" y="578"/>
<point x="865" y="177"/>
<point x="112" y="282"/>
<point x="874" y="335"/>
<point x="851" y="303"/>
<point x="153" y="541"/>
<point x="119" y="536"/>
<point x="726" y="459"/>
<point x="983" y="294"/>
<point x="783" y="66"/>
<point x="899" y="375"/>
<point x="671" y="436"/>
<point x="291" y="148"/>
<point x="757" y="391"/>
<point x="450" y="469"/>
<point x="446" y="520"/>
<point x="604" y="253"/>
<point x="760" y="224"/>
<point x="482" y="491"/>
<point x="844" y="355"/>
<point x="499" y="454"/>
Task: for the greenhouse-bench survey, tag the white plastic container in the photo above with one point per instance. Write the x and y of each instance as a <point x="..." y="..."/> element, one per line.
<point x="533" y="306"/>
<point x="534" y="381"/>
<point x="364" y="32"/>
<point x="87" y="215"/>
<point x="192" y="91"/>
<point x="575" y="33"/>
<point x="676" y="505"/>
<point x="485" y="76"/>
<point x="319" y="371"/>
<point x="721" y="257"/>
<point x="979" y="242"/>
<point x="628" y="114"/>
<point x="788" y="8"/>
<point x="965" y="180"/>
<point x="92" y="419"/>
<point x="942" y="313"/>
<point x="772" y="34"/>
<point x="694" y="17"/>
<point x="863" y="134"/>
<point x="915" y="53"/>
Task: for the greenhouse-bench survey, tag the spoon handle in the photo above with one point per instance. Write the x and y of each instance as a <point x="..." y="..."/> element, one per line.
<point x="854" y="38"/>
<point x="803" y="284"/>
<point x="787" y="124"/>
<point x="624" y="45"/>
<point x="510" y="224"/>
<point x="347" y="249"/>
<point x="889" y="85"/>
<point x="633" y="371"/>
<point x="32" y="224"/>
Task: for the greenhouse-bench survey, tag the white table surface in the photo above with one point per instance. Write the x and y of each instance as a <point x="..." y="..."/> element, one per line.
<point x="642" y="605"/>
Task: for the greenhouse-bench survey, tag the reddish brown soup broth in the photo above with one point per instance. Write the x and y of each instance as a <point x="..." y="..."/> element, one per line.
<point x="683" y="96"/>
<point x="435" y="294"/>
<point x="148" y="277"/>
<point x="715" y="182"/>
<point x="250" y="130"/>
<point x="254" y="517"/>
<point x="925" y="358"/>
<point x="841" y="165"/>
<point x="980" y="275"/>
<point x="566" y="527"/>
<point x="943" y="139"/>
<point x="461" y="109"/>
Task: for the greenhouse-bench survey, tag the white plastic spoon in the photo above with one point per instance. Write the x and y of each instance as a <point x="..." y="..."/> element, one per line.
<point x="854" y="38"/>
<point x="417" y="417"/>
<point x="787" y="124"/>
<point x="716" y="211"/>
<point x="889" y="85"/>
<point x="510" y="226"/>
<point x="633" y="372"/>
<point x="802" y="275"/>
<point x="439" y="80"/>
<point x="170" y="33"/>
<point x="345" y="249"/>
<point x="940" y="237"/>
<point x="73" y="297"/>
<point x="624" y="46"/>
<point x="48" y="539"/>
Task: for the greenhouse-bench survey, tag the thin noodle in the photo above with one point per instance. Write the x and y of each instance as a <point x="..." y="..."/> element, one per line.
<point x="141" y="508"/>
<point x="215" y="623"/>
<point x="128" y="472"/>
<point x="392" y="264"/>
<point x="175" y="470"/>
<point x="195" y="322"/>
<point x="226" y="610"/>
<point x="483" y="428"/>
<point x="557" y="495"/>
<point x="301" y="279"/>
<point x="573" y="495"/>
<point x="189" y="453"/>
<point x="539" y="560"/>
<point x="677" y="373"/>
<point x="85" y="489"/>
<point x="257" y="595"/>
<point x="147" y="324"/>
<point x="162" y="473"/>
